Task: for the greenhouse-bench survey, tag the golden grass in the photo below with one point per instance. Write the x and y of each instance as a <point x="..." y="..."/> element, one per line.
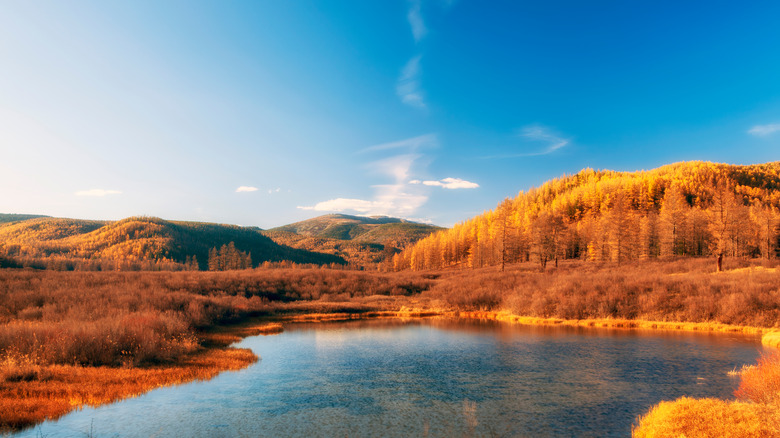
<point x="771" y="339"/>
<point x="690" y="418"/>
<point x="712" y="327"/>
<point x="30" y="393"/>
<point x="756" y="415"/>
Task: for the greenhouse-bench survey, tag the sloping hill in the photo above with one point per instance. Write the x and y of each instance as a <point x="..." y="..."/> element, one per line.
<point x="683" y="209"/>
<point x="140" y="239"/>
<point x="356" y="253"/>
<point x="377" y="229"/>
<point x="12" y="217"/>
<point x="360" y="240"/>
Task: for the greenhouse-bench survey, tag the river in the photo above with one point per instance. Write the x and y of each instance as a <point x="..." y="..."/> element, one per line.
<point x="430" y="378"/>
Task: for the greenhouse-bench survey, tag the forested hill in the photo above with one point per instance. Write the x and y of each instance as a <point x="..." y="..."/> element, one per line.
<point x="684" y="209"/>
<point x="362" y="241"/>
<point x="377" y="229"/>
<point x="6" y="217"/>
<point x="142" y="243"/>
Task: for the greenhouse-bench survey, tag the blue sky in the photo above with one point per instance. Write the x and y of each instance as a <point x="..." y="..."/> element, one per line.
<point x="268" y="112"/>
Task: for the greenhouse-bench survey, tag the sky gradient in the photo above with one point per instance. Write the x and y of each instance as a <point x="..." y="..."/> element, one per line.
<point x="268" y="112"/>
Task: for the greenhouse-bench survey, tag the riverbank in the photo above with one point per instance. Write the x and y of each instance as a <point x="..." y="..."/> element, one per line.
<point x="32" y="394"/>
<point x="769" y="335"/>
<point x="69" y="339"/>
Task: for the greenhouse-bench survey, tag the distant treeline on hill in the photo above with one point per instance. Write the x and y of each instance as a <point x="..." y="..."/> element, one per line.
<point x="141" y="243"/>
<point x="683" y="209"/>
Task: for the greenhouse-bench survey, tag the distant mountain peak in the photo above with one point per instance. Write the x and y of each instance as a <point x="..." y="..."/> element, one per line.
<point x="371" y="229"/>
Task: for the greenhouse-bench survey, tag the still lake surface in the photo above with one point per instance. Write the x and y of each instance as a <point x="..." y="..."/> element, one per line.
<point x="430" y="378"/>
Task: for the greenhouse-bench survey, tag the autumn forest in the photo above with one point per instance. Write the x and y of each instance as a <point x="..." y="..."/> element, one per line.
<point x="687" y="209"/>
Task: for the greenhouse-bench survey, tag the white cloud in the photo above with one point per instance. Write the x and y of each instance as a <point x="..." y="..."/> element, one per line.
<point x="408" y="85"/>
<point x="98" y="192"/>
<point x="244" y="189"/>
<point x="764" y="130"/>
<point x="342" y="204"/>
<point x="449" y="183"/>
<point x="389" y="200"/>
<point x="416" y="21"/>
<point x="421" y="220"/>
<point x="398" y="199"/>
<point x="276" y="190"/>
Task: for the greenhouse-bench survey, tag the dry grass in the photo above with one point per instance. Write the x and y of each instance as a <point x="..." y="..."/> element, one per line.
<point x="674" y="291"/>
<point x="711" y="327"/>
<point x="31" y="393"/>
<point x="121" y="319"/>
<point x="771" y="339"/>
<point x="761" y="383"/>
<point x="74" y="338"/>
<point x="756" y="415"/>
<point x="69" y="339"/>
<point x="691" y="418"/>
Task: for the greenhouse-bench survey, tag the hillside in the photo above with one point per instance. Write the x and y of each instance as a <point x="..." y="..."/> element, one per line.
<point x="356" y="253"/>
<point x="136" y="243"/>
<point x="362" y="241"/>
<point x="10" y="217"/>
<point x="377" y="229"/>
<point x="683" y="209"/>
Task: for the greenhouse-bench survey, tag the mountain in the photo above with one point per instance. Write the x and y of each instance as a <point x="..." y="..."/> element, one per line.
<point x="376" y="229"/>
<point x="139" y="241"/>
<point x="356" y="253"/>
<point x="6" y="217"/>
<point x="360" y="240"/>
<point x="684" y="209"/>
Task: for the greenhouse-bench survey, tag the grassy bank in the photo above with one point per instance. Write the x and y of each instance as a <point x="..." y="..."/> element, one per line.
<point x="31" y="393"/>
<point x="756" y="413"/>
<point x="69" y="339"/>
<point x="74" y="338"/>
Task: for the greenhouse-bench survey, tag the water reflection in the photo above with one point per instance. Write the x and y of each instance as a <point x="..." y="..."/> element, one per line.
<point x="432" y="378"/>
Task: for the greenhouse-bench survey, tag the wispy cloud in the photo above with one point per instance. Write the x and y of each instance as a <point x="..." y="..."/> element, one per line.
<point x="98" y="192"/>
<point x="276" y="190"/>
<point x="396" y="198"/>
<point x="408" y="85"/>
<point x="416" y="20"/>
<point x="245" y="189"/>
<point x="412" y="144"/>
<point x="537" y="134"/>
<point x="403" y="194"/>
<point x="764" y="130"/>
<point x="397" y="166"/>
<point x="543" y="134"/>
<point x="448" y="183"/>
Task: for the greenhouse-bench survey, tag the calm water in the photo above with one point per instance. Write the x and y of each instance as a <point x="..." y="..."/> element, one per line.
<point x="430" y="378"/>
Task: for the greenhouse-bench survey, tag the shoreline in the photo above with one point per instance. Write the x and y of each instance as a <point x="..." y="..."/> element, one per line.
<point x="770" y="336"/>
<point x="54" y="391"/>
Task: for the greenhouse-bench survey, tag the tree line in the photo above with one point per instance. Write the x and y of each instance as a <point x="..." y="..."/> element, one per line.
<point x="228" y="258"/>
<point x="684" y="209"/>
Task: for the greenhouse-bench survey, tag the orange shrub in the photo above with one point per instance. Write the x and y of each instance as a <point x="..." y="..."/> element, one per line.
<point x="761" y="383"/>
